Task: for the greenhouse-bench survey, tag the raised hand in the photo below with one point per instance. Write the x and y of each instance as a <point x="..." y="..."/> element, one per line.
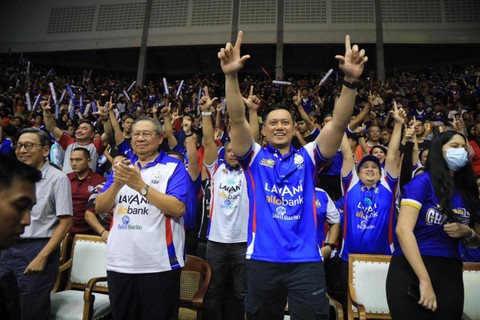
<point x="230" y="59"/>
<point x="297" y="100"/>
<point x="398" y="114"/>
<point x="252" y="102"/>
<point x="353" y="62"/>
<point x="205" y="101"/>
<point x="46" y="104"/>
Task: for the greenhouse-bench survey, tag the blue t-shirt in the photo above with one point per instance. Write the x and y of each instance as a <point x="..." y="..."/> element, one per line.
<point x="369" y="216"/>
<point x="432" y="240"/>
<point x="327" y="214"/>
<point x="282" y="225"/>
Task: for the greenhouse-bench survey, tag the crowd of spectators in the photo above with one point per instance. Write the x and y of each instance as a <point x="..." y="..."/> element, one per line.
<point x="433" y="100"/>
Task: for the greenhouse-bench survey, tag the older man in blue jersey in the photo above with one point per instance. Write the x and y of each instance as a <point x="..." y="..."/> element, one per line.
<point x="282" y="252"/>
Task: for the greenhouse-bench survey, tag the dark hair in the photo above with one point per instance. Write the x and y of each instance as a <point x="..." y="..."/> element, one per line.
<point x="274" y="107"/>
<point x="176" y="154"/>
<point x="11" y="169"/>
<point x="444" y="186"/>
<point x="85" y="151"/>
<point x="87" y="122"/>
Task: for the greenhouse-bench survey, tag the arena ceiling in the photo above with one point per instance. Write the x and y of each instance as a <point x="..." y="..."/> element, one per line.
<point x="298" y="59"/>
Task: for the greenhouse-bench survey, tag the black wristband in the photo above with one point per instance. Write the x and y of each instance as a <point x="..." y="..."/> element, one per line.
<point x="331" y="245"/>
<point x="351" y="85"/>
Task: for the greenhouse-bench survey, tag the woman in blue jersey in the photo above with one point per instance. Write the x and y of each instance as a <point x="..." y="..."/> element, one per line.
<point x="439" y="208"/>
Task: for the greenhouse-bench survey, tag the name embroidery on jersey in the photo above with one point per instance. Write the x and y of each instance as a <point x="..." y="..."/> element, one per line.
<point x="267" y="163"/>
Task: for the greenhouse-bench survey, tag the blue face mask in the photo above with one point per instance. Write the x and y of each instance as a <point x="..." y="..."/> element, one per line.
<point x="456" y="158"/>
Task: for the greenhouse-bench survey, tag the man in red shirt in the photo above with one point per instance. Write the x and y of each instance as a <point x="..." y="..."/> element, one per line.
<point x="83" y="181"/>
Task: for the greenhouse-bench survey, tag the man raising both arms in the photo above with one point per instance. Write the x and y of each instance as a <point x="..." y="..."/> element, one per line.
<point x="283" y="257"/>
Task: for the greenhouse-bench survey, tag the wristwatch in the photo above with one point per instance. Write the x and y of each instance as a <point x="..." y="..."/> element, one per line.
<point x="144" y="190"/>
<point x="331" y="245"/>
<point x="351" y="85"/>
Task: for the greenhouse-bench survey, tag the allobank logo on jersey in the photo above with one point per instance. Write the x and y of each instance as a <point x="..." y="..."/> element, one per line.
<point x="284" y="196"/>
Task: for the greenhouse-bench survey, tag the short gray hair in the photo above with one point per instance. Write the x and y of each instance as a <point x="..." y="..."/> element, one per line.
<point x="43" y="137"/>
<point x="157" y="125"/>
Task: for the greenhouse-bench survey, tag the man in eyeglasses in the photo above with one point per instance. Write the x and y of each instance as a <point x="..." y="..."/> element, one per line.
<point x="146" y="242"/>
<point x="34" y="260"/>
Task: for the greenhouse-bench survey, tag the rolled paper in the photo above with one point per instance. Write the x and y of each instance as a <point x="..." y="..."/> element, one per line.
<point x="52" y="90"/>
<point x="165" y="86"/>
<point x="126" y="95"/>
<point x="36" y="101"/>
<point x="71" y="108"/>
<point x="180" y="87"/>
<point x="282" y="83"/>
<point x="57" y="110"/>
<point x="63" y="95"/>
<point x="199" y="95"/>
<point x="266" y="72"/>
<point x="28" y="67"/>
<point x="94" y="106"/>
<point x="81" y="102"/>
<point x="29" y="104"/>
<point x="325" y="77"/>
<point x="17" y="84"/>
<point x="70" y="92"/>
<point x="87" y="109"/>
<point x="21" y="58"/>
<point x="131" y="86"/>
<point x="79" y="113"/>
<point x="49" y="73"/>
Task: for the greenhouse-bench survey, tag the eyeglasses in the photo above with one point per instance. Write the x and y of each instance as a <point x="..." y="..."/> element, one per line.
<point x="28" y="146"/>
<point x="145" y="134"/>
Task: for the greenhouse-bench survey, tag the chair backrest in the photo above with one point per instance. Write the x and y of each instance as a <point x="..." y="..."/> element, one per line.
<point x="195" y="273"/>
<point x="89" y="256"/>
<point x="471" y="282"/>
<point x="194" y="282"/>
<point x="367" y="274"/>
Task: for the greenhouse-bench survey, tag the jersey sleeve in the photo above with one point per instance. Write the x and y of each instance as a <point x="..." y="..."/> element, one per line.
<point x="176" y="185"/>
<point x="415" y="192"/>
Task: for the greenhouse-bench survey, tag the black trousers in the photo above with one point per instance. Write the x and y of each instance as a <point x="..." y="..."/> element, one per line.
<point x="447" y="280"/>
<point x="269" y="284"/>
<point x="148" y="296"/>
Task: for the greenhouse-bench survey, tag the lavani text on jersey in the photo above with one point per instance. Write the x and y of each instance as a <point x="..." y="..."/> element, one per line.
<point x="285" y="190"/>
<point x="133" y="199"/>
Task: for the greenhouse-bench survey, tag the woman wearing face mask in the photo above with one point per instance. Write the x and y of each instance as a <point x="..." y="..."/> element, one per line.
<point x="439" y="208"/>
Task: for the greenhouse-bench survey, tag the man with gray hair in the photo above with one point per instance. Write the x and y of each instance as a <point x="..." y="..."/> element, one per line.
<point x="34" y="260"/>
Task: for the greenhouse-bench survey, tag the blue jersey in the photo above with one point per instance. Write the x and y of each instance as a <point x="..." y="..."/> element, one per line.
<point x="431" y="239"/>
<point x="469" y="254"/>
<point x="327" y="214"/>
<point x="282" y="225"/>
<point x="369" y="216"/>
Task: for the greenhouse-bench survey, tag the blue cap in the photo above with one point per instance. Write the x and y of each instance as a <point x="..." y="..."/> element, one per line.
<point x="369" y="157"/>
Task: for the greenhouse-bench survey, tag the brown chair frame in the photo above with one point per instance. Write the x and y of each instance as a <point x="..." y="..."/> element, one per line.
<point x="352" y="299"/>
<point x="196" y="303"/>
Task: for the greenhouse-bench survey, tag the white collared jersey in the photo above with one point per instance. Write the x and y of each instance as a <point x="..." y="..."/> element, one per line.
<point x="229" y="204"/>
<point x="142" y="238"/>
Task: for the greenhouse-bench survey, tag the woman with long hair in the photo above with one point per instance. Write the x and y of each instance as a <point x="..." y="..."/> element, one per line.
<point x="439" y="208"/>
